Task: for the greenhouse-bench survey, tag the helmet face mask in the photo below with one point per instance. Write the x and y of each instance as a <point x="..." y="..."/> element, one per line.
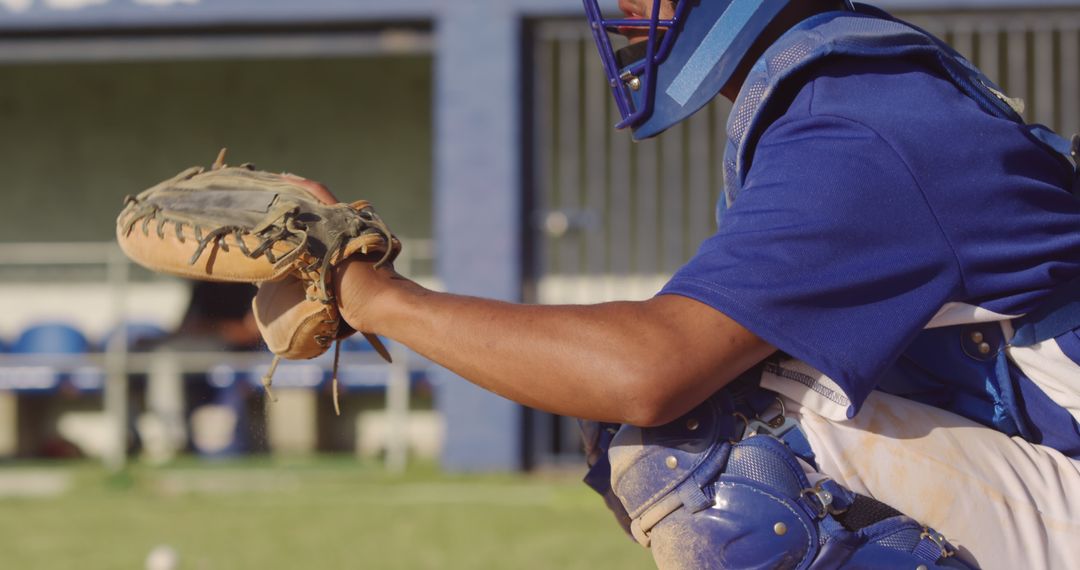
<point x="629" y="76"/>
<point x="687" y="60"/>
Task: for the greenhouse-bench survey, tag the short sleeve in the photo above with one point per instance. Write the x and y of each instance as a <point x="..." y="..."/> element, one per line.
<point x="830" y="251"/>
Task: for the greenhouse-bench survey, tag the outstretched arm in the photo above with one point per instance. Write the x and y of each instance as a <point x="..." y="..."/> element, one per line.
<point x="643" y="363"/>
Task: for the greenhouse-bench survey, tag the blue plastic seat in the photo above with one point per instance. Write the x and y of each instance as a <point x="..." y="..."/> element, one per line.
<point x="51" y="338"/>
<point x="48" y="338"/>
<point x="139" y="335"/>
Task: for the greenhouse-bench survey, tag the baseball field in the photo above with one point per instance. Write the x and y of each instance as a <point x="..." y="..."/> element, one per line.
<point x="312" y="513"/>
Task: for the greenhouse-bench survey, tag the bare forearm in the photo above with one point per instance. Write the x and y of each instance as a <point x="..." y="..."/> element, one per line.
<point x="631" y="362"/>
<point x="571" y="360"/>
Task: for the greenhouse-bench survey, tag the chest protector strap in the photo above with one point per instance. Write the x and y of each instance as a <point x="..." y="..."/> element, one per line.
<point x="866" y="33"/>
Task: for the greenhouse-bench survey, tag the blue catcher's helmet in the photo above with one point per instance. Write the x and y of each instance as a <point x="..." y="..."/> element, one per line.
<point x="684" y="62"/>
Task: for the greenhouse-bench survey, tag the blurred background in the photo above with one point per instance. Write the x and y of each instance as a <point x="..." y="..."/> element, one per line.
<point x="133" y="428"/>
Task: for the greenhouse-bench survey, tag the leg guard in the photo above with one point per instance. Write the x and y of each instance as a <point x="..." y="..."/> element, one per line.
<point x="699" y="499"/>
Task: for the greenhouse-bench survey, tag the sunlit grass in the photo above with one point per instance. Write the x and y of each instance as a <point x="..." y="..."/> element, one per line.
<point x="309" y="513"/>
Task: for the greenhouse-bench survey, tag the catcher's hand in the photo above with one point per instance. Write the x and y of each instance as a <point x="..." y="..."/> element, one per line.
<point x="241" y="224"/>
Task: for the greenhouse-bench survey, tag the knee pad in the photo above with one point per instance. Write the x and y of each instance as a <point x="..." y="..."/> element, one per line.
<point x="700" y="500"/>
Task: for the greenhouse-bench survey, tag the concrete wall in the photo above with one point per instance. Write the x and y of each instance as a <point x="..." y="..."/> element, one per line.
<point x="76" y="138"/>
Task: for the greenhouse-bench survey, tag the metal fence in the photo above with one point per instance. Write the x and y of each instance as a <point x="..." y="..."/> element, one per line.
<point x="107" y="372"/>
<point x="612" y="214"/>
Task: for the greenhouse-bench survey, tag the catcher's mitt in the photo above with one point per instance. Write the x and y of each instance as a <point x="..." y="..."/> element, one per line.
<point x="242" y="224"/>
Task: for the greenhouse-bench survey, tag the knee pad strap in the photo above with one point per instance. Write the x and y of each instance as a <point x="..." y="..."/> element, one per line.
<point x="700" y="499"/>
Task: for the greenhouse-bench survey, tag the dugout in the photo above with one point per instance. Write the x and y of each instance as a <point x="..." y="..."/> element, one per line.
<point x="496" y="159"/>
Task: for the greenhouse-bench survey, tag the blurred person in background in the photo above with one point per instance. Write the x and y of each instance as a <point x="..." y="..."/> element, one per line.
<point x="181" y="407"/>
<point x="884" y="323"/>
<point x="218" y="317"/>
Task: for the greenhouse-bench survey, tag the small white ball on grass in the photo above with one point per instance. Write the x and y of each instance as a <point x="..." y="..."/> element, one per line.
<point x="163" y="557"/>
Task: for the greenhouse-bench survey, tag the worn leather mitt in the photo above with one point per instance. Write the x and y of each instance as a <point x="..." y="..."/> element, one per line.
<point x="235" y="223"/>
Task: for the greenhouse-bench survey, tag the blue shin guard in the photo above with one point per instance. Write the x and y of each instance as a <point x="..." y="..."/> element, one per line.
<point x="700" y="499"/>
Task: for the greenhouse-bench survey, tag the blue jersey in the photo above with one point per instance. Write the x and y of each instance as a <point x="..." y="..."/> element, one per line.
<point x="881" y="204"/>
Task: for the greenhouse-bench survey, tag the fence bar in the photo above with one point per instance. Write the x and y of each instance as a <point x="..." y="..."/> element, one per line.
<point x="702" y="154"/>
<point x="544" y="101"/>
<point x="1070" y="80"/>
<point x="116" y="381"/>
<point x="963" y="39"/>
<point x="646" y="202"/>
<point x="621" y="201"/>
<point x="569" y="154"/>
<point x="397" y="410"/>
<point x="1017" y="58"/>
<point x="989" y="60"/>
<point x="596" y="131"/>
<point x="671" y="199"/>
<point x="1043" y="75"/>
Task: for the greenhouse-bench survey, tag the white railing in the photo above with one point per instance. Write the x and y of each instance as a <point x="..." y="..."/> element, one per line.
<point x="110" y="369"/>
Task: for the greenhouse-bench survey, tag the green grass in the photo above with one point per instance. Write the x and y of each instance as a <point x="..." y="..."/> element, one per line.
<point x="320" y="513"/>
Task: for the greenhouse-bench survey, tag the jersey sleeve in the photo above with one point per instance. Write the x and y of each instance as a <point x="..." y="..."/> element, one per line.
<point x="830" y="252"/>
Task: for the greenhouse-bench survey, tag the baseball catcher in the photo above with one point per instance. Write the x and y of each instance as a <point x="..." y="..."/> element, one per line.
<point x="236" y="223"/>
<point x="881" y="339"/>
